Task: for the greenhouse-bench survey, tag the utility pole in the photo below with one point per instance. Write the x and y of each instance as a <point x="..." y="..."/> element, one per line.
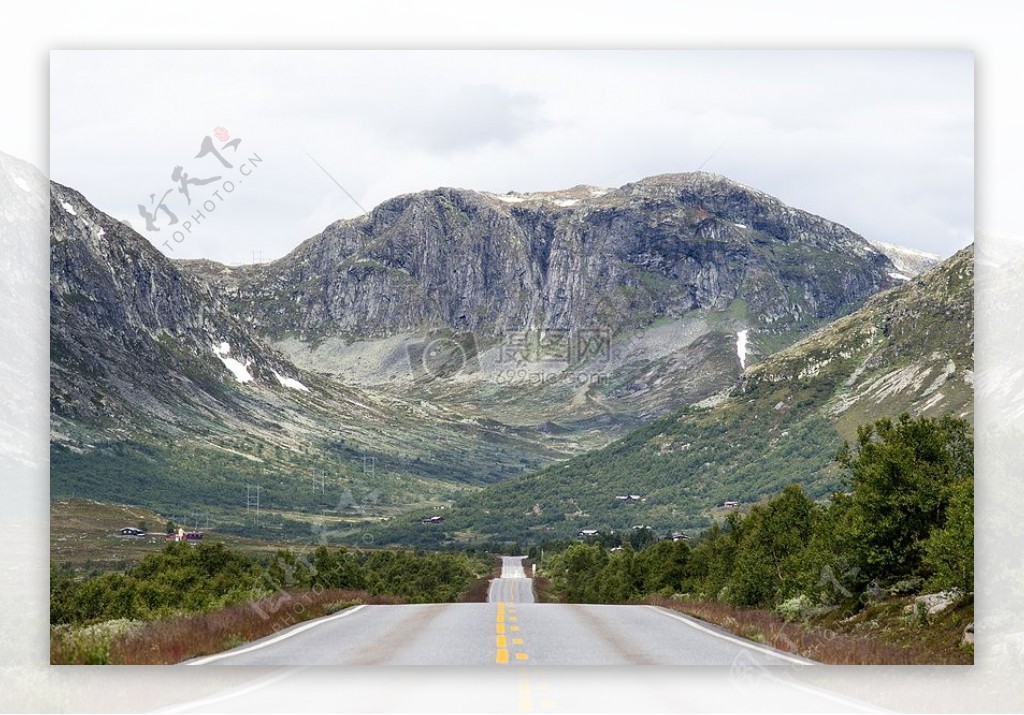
<point x="251" y="501"/>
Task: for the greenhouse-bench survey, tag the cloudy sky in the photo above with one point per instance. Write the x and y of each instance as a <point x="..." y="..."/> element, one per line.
<point x="882" y="142"/>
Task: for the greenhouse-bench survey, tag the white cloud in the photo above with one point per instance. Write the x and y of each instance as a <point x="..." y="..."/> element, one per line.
<point x="881" y="142"/>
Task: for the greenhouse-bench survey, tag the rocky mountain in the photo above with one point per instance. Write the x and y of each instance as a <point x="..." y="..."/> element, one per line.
<point x="161" y="396"/>
<point x="909" y="262"/>
<point x="617" y="258"/>
<point x="578" y="307"/>
<point x="446" y="340"/>
<point x="910" y="349"/>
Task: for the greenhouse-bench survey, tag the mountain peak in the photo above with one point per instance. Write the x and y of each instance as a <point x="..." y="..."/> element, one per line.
<point x="497" y="263"/>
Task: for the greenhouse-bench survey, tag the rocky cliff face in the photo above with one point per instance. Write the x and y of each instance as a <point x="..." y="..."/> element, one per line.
<point x="617" y="259"/>
<point x="160" y="395"/>
<point x="196" y="375"/>
<point x="909" y="349"/>
<point x="126" y="325"/>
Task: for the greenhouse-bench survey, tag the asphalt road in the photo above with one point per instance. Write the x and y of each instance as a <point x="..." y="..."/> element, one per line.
<point x="511" y="629"/>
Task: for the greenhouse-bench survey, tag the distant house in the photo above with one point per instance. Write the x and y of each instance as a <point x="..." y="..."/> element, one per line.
<point x="588" y="532"/>
<point x="131" y="531"/>
<point x="432" y="520"/>
<point x="680" y="536"/>
<point x="190" y="537"/>
<point x="731" y="504"/>
<point x="628" y="497"/>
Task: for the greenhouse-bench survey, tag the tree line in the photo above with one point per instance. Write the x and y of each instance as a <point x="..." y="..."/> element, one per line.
<point x="904" y="522"/>
<point x="188" y="579"/>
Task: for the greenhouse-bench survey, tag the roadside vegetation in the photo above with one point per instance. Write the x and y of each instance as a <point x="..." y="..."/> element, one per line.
<point x="187" y="601"/>
<point x="904" y="527"/>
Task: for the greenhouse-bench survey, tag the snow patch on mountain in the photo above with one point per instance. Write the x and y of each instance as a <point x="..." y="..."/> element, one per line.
<point x="741" y="347"/>
<point x="240" y="371"/>
<point x="908" y="261"/>
<point x="290" y="382"/>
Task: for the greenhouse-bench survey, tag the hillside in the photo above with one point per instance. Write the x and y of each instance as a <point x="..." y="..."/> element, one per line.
<point x="447" y="340"/>
<point x="908" y="349"/>
<point x="161" y="396"/>
<point x="585" y="257"/>
<point x="585" y="311"/>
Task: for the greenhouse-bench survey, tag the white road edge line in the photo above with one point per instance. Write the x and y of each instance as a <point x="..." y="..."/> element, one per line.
<point x="241" y="690"/>
<point x="733" y="639"/>
<point x="272" y="641"/>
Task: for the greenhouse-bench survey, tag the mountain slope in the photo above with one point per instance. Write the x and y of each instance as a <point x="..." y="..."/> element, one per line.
<point x="184" y="382"/>
<point x="908" y="349"/>
<point x="496" y="264"/>
<point x="659" y="275"/>
<point x="161" y="396"/>
<point x="908" y="261"/>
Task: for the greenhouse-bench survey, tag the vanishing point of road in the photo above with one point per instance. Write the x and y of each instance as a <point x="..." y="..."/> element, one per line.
<point x="510" y="629"/>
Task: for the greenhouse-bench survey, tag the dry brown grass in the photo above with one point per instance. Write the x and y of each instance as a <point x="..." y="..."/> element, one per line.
<point x="819" y="643"/>
<point x="177" y="639"/>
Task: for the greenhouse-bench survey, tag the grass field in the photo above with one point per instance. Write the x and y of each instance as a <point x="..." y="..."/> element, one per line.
<point x="84" y="533"/>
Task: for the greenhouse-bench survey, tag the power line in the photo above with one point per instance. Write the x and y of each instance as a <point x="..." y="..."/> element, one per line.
<point x="252" y="502"/>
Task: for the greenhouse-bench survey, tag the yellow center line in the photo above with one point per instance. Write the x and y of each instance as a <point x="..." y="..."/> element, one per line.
<point x="506" y="612"/>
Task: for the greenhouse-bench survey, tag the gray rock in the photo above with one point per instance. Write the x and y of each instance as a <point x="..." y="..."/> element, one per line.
<point x="934" y="603"/>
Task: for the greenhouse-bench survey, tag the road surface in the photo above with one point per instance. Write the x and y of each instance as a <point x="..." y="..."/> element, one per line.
<point x="511" y="629"/>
